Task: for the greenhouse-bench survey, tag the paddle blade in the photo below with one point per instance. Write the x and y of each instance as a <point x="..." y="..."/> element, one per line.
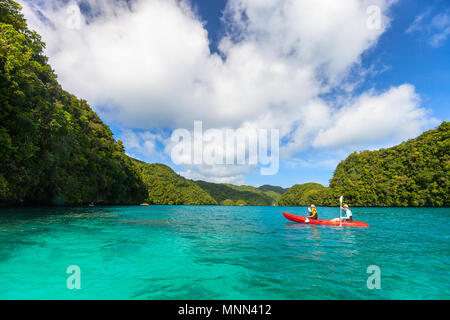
<point x="341" y="199"/>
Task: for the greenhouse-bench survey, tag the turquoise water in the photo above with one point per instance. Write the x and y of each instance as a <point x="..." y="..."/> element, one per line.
<point x="203" y="252"/>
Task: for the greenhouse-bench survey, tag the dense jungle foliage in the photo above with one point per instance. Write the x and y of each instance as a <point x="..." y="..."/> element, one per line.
<point x="164" y="186"/>
<point x="303" y="195"/>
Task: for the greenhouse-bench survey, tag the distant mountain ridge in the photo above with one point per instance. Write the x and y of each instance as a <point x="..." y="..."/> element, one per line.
<point x="276" y="189"/>
<point x="230" y="194"/>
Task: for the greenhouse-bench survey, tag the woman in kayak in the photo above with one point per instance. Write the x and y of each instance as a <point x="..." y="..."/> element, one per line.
<point x="348" y="214"/>
<point x="312" y="214"/>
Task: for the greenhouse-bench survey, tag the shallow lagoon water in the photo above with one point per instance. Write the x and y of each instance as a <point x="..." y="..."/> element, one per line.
<point x="214" y="252"/>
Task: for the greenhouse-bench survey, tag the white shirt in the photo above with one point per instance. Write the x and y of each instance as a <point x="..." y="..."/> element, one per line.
<point x="348" y="214"/>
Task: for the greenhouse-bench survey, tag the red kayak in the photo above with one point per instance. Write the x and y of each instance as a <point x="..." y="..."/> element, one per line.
<point x="325" y="222"/>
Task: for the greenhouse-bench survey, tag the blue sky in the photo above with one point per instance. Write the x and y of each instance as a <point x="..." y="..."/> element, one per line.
<point x="412" y="59"/>
<point x="330" y="87"/>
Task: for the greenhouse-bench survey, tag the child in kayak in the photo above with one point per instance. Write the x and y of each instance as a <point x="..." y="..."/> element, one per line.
<point x="348" y="214"/>
<point x="312" y="212"/>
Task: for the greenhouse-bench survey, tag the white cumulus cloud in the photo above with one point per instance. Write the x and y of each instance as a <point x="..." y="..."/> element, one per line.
<point x="373" y="118"/>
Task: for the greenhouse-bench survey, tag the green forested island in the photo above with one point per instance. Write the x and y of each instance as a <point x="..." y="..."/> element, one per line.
<point x="56" y="150"/>
<point x="414" y="173"/>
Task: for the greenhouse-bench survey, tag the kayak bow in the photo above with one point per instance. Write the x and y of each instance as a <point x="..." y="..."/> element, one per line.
<point x="301" y="219"/>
